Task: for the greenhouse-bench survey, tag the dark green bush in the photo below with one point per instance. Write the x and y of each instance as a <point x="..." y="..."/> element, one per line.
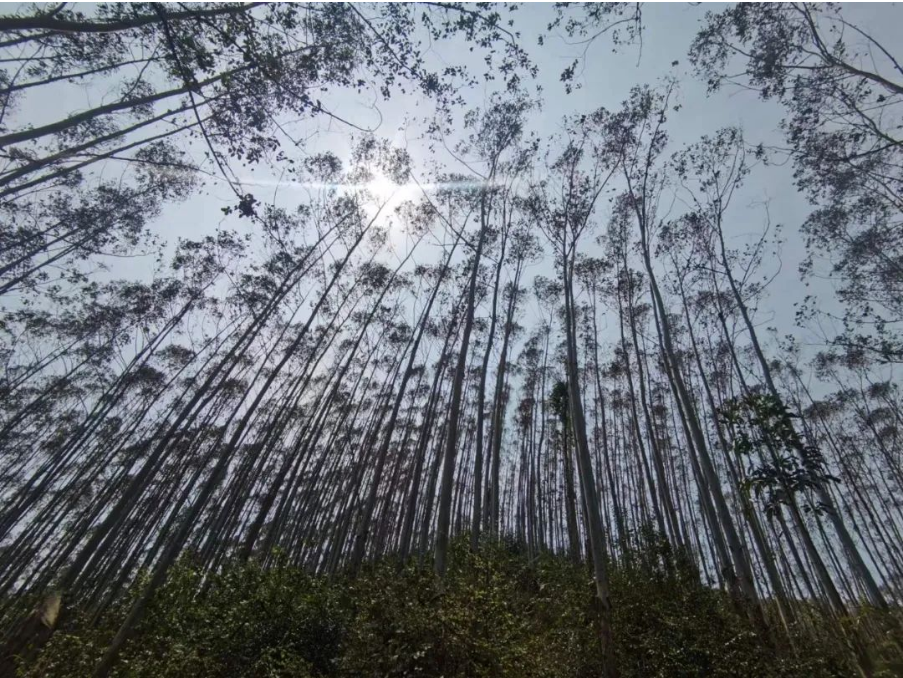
<point x="497" y="614"/>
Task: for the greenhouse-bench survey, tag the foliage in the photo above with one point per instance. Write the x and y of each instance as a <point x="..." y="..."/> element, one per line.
<point x="763" y="424"/>
<point x="558" y="401"/>
<point x="498" y="613"/>
<point x="842" y="96"/>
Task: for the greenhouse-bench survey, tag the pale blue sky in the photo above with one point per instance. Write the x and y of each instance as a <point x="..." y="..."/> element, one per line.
<point x="605" y="78"/>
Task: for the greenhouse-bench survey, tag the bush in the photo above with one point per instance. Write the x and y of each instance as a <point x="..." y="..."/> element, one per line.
<point x="496" y="614"/>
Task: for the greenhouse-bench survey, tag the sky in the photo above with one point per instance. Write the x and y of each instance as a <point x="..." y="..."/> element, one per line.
<point x="605" y="77"/>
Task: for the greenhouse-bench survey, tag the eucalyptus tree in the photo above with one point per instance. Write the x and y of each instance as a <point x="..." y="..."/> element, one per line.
<point x="163" y="306"/>
<point x="387" y="340"/>
<point x="204" y="402"/>
<point x="842" y="90"/>
<point x="478" y="517"/>
<point x="389" y="428"/>
<point x="524" y="249"/>
<point x="431" y="420"/>
<point x="564" y="207"/>
<point x="485" y="493"/>
<point x="558" y="401"/>
<point x="495" y="133"/>
<point x="692" y="265"/>
<point x="506" y="212"/>
<point x="225" y="76"/>
<point x="219" y="72"/>
<point x="636" y="136"/>
<point x="314" y="389"/>
<point x="854" y="427"/>
<point x="594" y="278"/>
<point x="713" y="171"/>
<point x="221" y="460"/>
<point x="532" y="364"/>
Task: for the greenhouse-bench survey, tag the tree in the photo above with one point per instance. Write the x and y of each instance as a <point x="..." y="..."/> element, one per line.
<point x="564" y="219"/>
<point x="842" y="92"/>
<point x="495" y="131"/>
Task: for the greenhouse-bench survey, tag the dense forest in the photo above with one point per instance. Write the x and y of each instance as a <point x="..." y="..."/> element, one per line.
<point x="406" y="339"/>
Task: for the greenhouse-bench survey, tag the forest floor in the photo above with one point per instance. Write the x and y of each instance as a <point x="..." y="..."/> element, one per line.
<point x="497" y="613"/>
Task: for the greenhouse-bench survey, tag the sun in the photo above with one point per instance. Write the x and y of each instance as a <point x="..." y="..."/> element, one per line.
<point x="382" y="188"/>
<point x="387" y="192"/>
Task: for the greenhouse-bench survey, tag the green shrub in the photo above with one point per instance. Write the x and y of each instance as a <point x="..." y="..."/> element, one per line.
<point x="497" y="614"/>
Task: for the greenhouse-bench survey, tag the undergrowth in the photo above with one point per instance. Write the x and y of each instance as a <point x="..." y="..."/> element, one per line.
<point x="498" y="613"/>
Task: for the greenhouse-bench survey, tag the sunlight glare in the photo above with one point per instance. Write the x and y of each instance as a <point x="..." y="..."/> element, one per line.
<point x="382" y="188"/>
<point x="387" y="192"/>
